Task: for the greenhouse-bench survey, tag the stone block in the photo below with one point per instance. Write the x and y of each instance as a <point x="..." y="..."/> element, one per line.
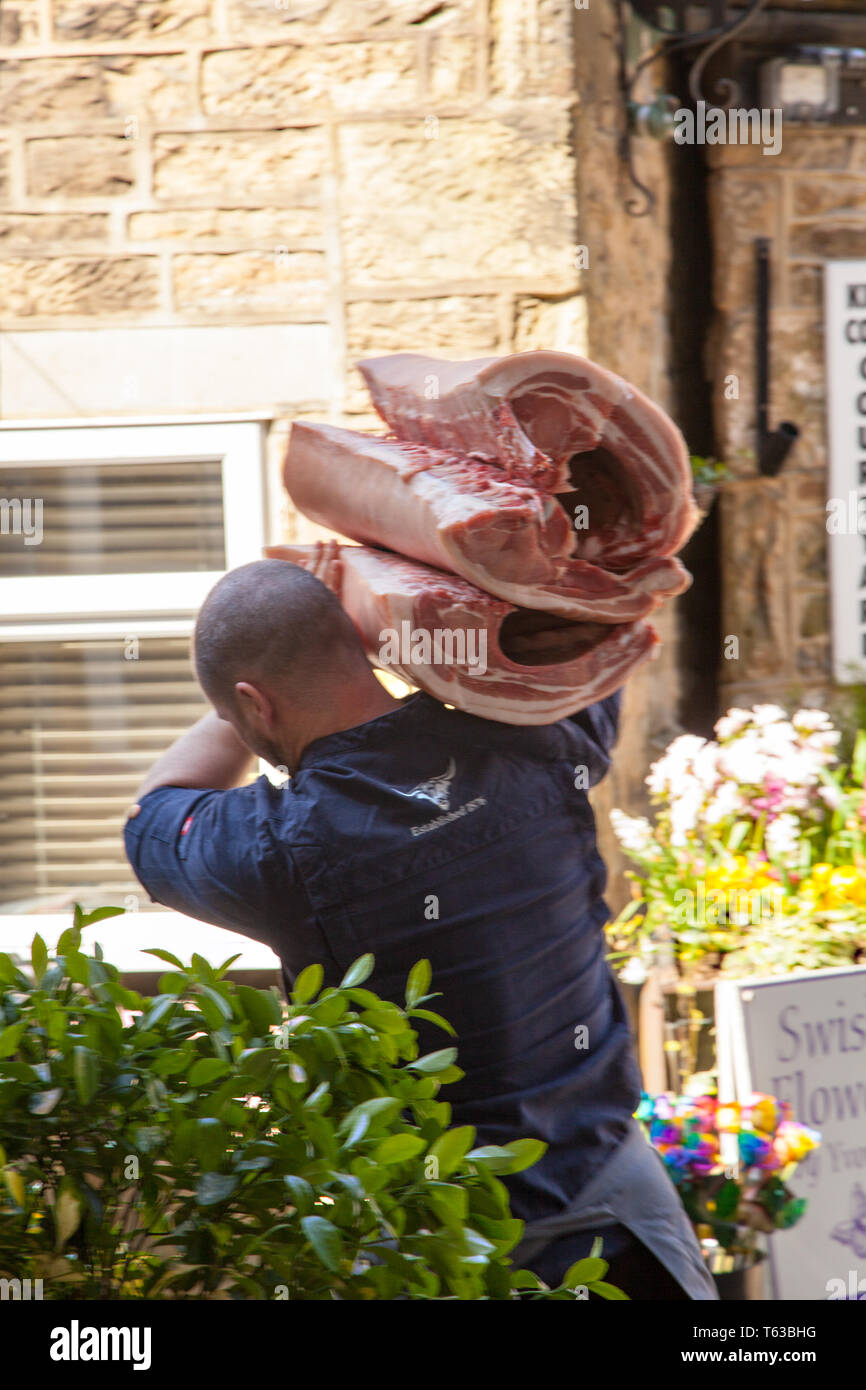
<point x="815" y="197"/>
<point x="78" y="285"/>
<point x="451" y="67"/>
<point x="291" y="283"/>
<point x="273" y="227"/>
<point x="34" y="229"/>
<point x="4" y="170"/>
<point x="481" y="198"/>
<point x="19" y="22"/>
<point x="813" y="615"/>
<point x="255" y="166"/>
<point x="111" y="371"/>
<point x="110" y="20"/>
<point x="550" y="323"/>
<point x="364" y="77"/>
<point x="821" y="150"/>
<point x="115" y="87"/>
<point x="829" y="240"/>
<point x="805" y="286"/>
<point x="71" y="166"/>
<point x="339" y="17"/>
<point x="531" y="47"/>
<point x="454" y="326"/>
<point x="742" y="207"/>
<point x="755" y="548"/>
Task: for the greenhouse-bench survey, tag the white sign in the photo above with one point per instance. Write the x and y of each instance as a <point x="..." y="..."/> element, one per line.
<point x="802" y="1038"/>
<point x="845" y="348"/>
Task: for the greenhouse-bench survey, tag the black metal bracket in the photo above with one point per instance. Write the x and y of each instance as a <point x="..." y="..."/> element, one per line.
<point x="772" y="447"/>
<point x="723" y="22"/>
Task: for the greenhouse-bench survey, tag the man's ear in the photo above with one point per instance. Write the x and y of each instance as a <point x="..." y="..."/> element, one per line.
<point x="255" y="704"/>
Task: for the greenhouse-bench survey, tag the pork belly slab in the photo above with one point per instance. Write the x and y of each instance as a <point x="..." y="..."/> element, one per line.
<point x="460" y="514"/>
<point x="472" y="650"/>
<point x="561" y="423"/>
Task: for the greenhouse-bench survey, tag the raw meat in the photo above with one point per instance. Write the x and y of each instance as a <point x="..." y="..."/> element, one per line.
<point x="535" y="669"/>
<point x="561" y="423"/>
<point x="470" y="518"/>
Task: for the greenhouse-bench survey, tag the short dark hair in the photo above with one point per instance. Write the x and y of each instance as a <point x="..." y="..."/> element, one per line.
<point x="273" y="621"/>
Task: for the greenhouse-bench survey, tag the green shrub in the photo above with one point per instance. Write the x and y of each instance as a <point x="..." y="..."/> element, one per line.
<point x="211" y="1142"/>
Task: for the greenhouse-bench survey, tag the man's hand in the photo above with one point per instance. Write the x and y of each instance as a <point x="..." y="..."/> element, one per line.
<point x="327" y="565"/>
<point x="210" y="754"/>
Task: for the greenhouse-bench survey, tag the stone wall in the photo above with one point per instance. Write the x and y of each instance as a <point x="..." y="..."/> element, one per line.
<point x="810" y="201"/>
<point x="627" y="289"/>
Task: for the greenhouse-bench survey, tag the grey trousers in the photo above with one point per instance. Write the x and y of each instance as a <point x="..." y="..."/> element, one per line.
<point x="633" y="1188"/>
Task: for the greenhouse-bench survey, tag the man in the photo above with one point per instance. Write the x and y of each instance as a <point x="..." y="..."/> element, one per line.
<point x="412" y="830"/>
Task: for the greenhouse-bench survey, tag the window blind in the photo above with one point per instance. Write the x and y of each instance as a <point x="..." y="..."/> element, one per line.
<point x="80" y="723"/>
<point x="115" y="518"/>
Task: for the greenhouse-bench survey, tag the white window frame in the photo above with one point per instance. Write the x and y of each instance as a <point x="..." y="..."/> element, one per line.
<point x="82" y="606"/>
<point x="103" y="605"/>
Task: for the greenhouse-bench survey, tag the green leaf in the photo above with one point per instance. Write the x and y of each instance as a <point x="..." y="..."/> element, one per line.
<point x="609" y="1291"/>
<point x="585" y="1271"/>
<point x="15" y="1184"/>
<point x="99" y="914"/>
<point x="301" y="1193"/>
<point x="432" y="1017"/>
<point x="434" y="1061"/>
<point x="325" y="1240"/>
<point x="11" y="1036"/>
<point x="359" y="971"/>
<point x="398" y="1147"/>
<point x="727" y="1199"/>
<point x="451" y="1148"/>
<point x="85" y="1073"/>
<point x="210" y="1142"/>
<point x="207" y="1069"/>
<point x="308" y="984"/>
<point x="525" y="1152"/>
<point x="70" y="940"/>
<point x="216" y="999"/>
<point x="214" y="1187"/>
<point x="38" y="957"/>
<point x="166" y="956"/>
<point x="260" y="1006"/>
<point x="163" y="1004"/>
<point x="418" y="982"/>
<point x="67" y="1213"/>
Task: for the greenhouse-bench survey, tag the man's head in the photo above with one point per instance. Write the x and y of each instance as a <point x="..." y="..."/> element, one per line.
<point x="281" y="661"/>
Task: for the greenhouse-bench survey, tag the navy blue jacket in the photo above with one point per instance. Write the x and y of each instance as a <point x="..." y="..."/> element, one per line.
<point x="430" y="832"/>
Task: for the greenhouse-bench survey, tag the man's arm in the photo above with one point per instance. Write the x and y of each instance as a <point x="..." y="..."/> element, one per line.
<point x="209" y="755"/>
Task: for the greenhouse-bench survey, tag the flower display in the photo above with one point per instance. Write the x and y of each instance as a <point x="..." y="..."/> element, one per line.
<point x="729" y="1197"/>
<point x="756" y="856"/>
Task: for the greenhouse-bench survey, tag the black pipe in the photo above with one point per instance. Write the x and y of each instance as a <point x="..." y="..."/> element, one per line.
<point x="772" y="447"/>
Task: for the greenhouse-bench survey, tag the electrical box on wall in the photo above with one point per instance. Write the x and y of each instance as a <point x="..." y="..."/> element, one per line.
<point x="817" y="83"/>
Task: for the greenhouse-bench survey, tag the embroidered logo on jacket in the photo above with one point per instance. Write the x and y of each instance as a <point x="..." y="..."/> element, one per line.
<point x="436" y="789"/>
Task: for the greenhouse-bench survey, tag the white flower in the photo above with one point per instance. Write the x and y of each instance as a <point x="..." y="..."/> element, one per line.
<point x="634" y="833"/>
<point x="782" y="836"/>
<point x="809" y="719"/>
<point x="831" y="796"/>
<point x="767" y="714"/>
<point x="705" y="766"/>
<point x="732" y="722"/>
<point x="666" y="772"/>
<point x="728" y="801"/>
<point x="685" y="811"/>
<point x="743" y="760"/>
